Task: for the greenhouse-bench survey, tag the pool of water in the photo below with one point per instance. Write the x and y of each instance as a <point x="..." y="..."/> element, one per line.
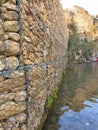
<point x="76" y="107"/>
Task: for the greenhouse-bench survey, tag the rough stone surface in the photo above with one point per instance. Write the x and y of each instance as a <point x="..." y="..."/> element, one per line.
<point x="12" y="62"/>
<point x="33" y="46"/>
<point x="6" y="97"/>
<point x="11" y="83"/>
<point x="20" y="96"/>
<point x="10" y="7"/>
<point x="85" y="23"/>
<point x="10" y="109"/>
<point x="11" y="15"/>
<point x="11" y="26"/>
<point x="14" y="36"/>
<point x="11" y="48"/>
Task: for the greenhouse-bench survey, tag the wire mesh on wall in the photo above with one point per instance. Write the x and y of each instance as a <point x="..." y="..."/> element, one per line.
<point x="25" y="88"/>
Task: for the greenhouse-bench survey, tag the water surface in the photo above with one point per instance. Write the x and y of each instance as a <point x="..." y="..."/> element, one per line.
<point x="76" y="107"/>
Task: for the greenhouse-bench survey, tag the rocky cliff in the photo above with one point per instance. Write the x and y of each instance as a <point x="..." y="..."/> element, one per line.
<point x="33" y="44"/>
<point x="83" y="21"/>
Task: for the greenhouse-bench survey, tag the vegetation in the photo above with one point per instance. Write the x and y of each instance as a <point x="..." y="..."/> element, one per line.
<point x="76" y="45"/>
<point x="50" y="100"/>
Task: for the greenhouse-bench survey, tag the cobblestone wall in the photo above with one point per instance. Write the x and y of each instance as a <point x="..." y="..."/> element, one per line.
<point x="33" y="44"/>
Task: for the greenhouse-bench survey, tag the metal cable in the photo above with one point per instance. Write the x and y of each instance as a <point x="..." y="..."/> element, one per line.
<point x="3" y="38"/>
<point x="18" y="3"/>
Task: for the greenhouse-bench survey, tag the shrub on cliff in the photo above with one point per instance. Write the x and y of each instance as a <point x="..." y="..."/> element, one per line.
<point x="75" y="46"/>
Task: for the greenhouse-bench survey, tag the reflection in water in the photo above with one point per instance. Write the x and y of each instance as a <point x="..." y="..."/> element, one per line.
<point x="77" y="105"/>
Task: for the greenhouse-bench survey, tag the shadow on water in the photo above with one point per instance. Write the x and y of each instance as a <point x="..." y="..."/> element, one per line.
<point x="77" y="105"/>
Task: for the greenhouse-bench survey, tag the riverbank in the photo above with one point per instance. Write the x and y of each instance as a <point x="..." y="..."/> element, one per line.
<point x="77" y="103"/>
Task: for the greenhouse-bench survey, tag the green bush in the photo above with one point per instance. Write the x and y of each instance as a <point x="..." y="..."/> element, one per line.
<point x="75" y="44"/>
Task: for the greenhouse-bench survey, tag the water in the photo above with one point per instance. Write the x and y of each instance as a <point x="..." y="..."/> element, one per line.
<point x="77" y="105"/>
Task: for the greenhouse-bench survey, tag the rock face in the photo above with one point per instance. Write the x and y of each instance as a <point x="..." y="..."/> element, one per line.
<point x="83" y="21"/>
<point x="33" y="44"/>
<point x="95" y="19"/>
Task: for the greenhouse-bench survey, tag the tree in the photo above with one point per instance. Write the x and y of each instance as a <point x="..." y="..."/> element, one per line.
<point x="75" y="45"/>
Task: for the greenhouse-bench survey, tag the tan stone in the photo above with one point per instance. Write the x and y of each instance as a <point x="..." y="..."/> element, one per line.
<point x="20" y="96"/>
<point x="15" y="128"/>
<point x="11" y="48"/>
<point x="12" y="62"/>
<point x="1" y="32"/>
<point x="27" y="39"/>
<point x="1" y="77"/>
<point x="11" y="16"/>
<point x="9" y="63"/>
<point x="2" y="128"/>
<point x="14" y="36"/>
<point x="6" y="97"/>
<point x="23" y="127"/>
<point x="13" y="74"/>
<point x="10" y="7"/>
<point x="2" y="66"/>
<point x="12" y="83"/>
<point x="0" y="124"/>
<point x="20" y="118"/>
<point x="6" y="37"/>
<point x="11" y="26"/>
<point x="4" y="9"/>
<point x="10" y="109"/>
<point x="22" y="88"/>
<point x="7" y="125"/>
<point x="2" y="1"/>
<point x="12" y="1"/>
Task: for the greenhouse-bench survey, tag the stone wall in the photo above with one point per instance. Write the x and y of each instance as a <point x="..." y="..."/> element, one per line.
<point x="33" y="44"/>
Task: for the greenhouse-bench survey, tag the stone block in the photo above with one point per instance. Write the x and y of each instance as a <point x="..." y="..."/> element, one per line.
<point x="10" y="109"/>
<point x="11" y="83"/>
<point x="10" y="48"/>
<point x="11" y="26"/>
<point x="11" y="16"/>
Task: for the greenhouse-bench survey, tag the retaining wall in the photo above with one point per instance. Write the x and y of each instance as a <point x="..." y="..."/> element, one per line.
<point x="33" y="54"/>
